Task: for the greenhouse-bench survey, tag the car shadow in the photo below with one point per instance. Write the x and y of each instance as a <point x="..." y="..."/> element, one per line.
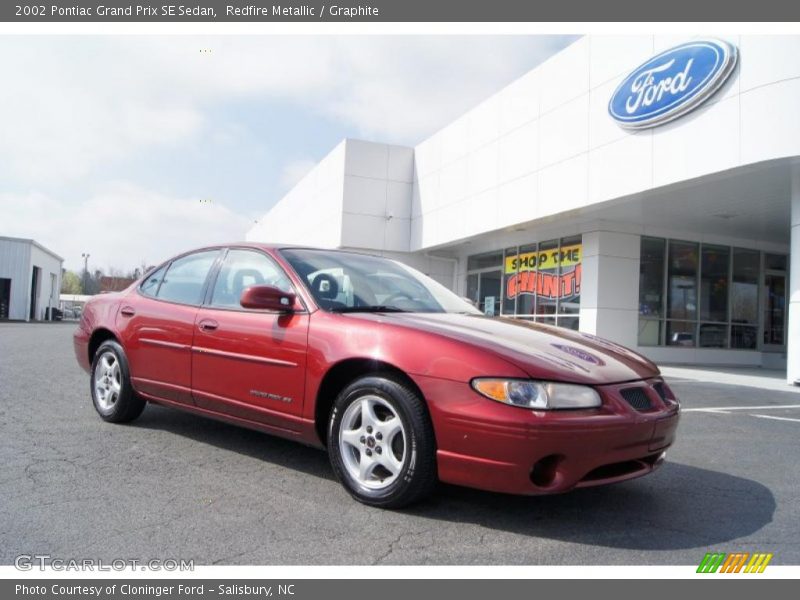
<point x="248" y="442"/>
<point x="678" y="507"/>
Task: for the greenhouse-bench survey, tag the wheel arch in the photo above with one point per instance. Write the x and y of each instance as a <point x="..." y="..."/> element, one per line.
<point x="99" y="335"/>
<point x="341" y="375"/>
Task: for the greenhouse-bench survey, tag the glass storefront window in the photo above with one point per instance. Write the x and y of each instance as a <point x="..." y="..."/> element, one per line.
<point x="774" y="309"/>
<point x="680" y="333"/>
<point x="526" y="303"/>
<point x="547" y="278"/>
<point x="775" y="262"/>
<point x="650" y="332"/>
<point x="744" y="286"/>
<point x="472" y="288"/>
<point x="713" y="335"/>
<point x="485" y="261"/>
<point x="682" y="280"/>
<point x="715" y="267"/>
<point x="569" y="270"/>
<point x="569" y="322"/>
<point x="536" y="281"/>
<point x="651" y="277"/>
<point x="509" y="272"/>
<point x="744" y="337"/>
<point x="712" y="295"/>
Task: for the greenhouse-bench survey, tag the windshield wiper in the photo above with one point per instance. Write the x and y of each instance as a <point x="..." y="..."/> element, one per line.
<point x="373" y="308"/>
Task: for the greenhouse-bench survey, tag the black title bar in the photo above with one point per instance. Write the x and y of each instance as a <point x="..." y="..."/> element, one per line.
<point x="398" y="11"/>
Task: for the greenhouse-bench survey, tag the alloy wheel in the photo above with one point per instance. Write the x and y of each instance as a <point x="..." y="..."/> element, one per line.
<point x="372" y="442"/>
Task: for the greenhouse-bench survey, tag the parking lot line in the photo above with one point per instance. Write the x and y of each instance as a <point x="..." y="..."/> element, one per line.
<point x="776" y="418"/>
<point x="727" y="408"/>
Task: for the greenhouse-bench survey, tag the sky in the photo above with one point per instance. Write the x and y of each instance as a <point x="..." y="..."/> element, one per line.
<point x="135" y="148"/>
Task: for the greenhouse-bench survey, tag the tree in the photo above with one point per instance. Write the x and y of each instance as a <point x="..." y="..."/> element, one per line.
<point x="70" y="283"/>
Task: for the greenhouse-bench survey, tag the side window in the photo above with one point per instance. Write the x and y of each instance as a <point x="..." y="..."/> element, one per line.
<point x="183" y="281"/>
<point x="149" y="286"/>
<point x="241" y="269"/>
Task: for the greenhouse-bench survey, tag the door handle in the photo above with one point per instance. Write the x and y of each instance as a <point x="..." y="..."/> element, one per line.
<point x="207" y="325"/>
<point x="127" y="311"/>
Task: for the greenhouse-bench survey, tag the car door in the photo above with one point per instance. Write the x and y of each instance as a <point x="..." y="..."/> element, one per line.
<point x="157" y="323"/>
<point x="249" y="364"/>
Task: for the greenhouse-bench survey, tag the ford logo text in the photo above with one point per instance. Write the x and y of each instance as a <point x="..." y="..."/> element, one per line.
<point x="672" y="83"/>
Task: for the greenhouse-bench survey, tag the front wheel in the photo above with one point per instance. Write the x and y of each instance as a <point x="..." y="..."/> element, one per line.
<point x="112" y="394"/>
<point x="381" y="442"/>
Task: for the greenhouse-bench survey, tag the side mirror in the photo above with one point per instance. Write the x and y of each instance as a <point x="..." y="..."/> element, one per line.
<point x="267" y="297"/>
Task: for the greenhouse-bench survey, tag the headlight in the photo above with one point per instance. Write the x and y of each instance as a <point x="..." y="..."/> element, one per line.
<point x="539" y="395"/>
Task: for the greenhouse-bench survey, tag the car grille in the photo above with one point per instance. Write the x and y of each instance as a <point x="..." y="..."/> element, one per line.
<point x="659" y="388"/>
<point x="636" y="397"/>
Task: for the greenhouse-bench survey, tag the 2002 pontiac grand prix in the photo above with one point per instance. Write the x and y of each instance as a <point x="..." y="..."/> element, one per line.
<point x="405" y="383"/>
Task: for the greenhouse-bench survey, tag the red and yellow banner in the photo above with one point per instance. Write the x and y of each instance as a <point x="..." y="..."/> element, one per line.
<point x="567" y="256"/>
<point x="538" y="273"/>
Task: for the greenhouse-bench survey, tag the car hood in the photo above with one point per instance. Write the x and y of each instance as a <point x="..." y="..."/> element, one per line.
<point x="542" y="351"/>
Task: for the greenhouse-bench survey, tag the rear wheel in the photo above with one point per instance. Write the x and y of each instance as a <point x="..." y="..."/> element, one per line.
<point x="381" y="442"/>
<point x="112" y="394"/>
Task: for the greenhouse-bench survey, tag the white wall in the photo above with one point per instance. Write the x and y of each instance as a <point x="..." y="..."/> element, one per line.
<point x="311" y="212"/>
<point x="545" y="144"/>
<point x="377" y="196"/>
<point x="542" y="146"/>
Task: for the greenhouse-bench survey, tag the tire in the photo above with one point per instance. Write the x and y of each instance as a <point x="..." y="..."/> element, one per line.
<point x="387" y="460"/>
<point x="110" y="384"/>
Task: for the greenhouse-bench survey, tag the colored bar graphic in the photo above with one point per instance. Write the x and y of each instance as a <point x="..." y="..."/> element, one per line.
<point x="711" y="562"/>
<point x="733" y="563"/>
<point x="758" y="563"/>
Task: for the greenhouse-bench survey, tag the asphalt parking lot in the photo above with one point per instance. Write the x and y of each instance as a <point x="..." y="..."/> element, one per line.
<point x="173" y="485"/>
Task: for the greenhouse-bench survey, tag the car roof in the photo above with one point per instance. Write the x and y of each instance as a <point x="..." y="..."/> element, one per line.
<point x="274" y="246"/>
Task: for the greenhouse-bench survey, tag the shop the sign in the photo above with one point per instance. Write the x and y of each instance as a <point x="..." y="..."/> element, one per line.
<point x="672" y="83"/>
<point x="538" y="273"/>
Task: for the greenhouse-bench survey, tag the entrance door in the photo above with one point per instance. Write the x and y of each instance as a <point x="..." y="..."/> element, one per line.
<point x="774" y="311"/>
<point x="34" y="291"/>
<point x="5" y="297"/>
<point x="484" y="289"/>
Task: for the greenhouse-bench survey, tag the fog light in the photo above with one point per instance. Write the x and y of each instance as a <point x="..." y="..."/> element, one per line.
<point x="545" y="470"/>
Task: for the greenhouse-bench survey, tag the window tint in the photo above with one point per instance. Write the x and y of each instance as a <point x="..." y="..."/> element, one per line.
<point x="682" y="283"/>
<point x="149" y="286"/>
<point x="185" y="277"/>
<point x="715" y="266"/>
<point x="241" y="269"/>
<point x="651" y="277"/>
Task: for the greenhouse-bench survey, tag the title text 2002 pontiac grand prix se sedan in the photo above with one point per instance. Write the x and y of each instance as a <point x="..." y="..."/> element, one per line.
<point x="405" y="383"/>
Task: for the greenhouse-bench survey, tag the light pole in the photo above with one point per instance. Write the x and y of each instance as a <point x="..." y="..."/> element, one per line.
<point x="85" y="257"/>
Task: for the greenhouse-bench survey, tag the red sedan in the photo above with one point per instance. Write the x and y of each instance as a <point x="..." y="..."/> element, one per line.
<point x="405" y="383"/>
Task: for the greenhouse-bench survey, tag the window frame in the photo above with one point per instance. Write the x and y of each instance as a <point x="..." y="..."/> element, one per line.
<point x="213" y="274"/>
<point x="166" y="265"/>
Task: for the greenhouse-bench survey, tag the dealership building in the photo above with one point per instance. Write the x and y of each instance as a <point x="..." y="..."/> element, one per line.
<point x="30" y="280"/>
<point x="642" y="188"/>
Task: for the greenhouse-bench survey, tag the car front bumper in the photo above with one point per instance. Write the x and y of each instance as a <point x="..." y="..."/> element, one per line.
<point x="80" y="344"/>
<point x="492" y="446"/>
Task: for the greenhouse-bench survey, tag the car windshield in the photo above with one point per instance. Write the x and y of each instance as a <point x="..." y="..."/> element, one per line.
<point x="349" y="282"/>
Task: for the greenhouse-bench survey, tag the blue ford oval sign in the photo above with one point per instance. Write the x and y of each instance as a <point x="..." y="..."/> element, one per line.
<point x="672" y="83"/>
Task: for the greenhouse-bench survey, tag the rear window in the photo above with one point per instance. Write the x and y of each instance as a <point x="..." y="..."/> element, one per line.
<point x="184" y="280"/>
<point x="149" y="286"/>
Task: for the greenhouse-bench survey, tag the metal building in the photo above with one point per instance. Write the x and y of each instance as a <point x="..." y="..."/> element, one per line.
<point x="30" y="280"/>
